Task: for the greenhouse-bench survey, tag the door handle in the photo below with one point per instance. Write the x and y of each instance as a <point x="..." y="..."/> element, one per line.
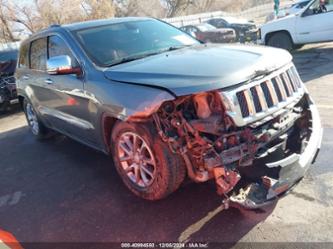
<point x="25" y="77"/>
<point x="48" y="81"/>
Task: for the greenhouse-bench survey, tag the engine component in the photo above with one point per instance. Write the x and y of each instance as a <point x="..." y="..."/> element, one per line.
<point x="211" y="125"/>
<point x="201" y="105"/>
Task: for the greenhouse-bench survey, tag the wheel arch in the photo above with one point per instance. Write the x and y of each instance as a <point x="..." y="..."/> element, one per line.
<point x="108" y="122"/>
<point x="21" y="101"/>
<point x="270" y="34"/>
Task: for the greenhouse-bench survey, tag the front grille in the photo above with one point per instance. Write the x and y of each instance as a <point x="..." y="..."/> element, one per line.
<point x="267" y="94"/>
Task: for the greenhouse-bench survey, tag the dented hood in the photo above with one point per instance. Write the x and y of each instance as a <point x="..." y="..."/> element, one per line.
<point x="200" y="68"/>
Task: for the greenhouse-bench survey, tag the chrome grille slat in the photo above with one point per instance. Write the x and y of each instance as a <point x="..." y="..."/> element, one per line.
<point x="277" y="89"/>
<point x="261" y="98"/>
<point x="272" y="92"/>
<point x="267" y="94"/>
<point x="286" y="87"/>
<point x="294" y="76"/>
<point x="242" y="104"/>
<point x="290" y="82"/>
<point x="249" y="102"/>
<point x="256" y="99"/>
<point x="282" y="89"/>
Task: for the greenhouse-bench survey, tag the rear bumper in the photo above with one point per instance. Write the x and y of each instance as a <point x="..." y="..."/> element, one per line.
<point x="292" y="170"/>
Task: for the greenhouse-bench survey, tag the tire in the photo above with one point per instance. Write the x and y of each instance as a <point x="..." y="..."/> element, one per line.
<point x="4" y="107"/>
<point x="167" y="170"/>
<point x="281" y="40"/>
<point x="37" y="128"/>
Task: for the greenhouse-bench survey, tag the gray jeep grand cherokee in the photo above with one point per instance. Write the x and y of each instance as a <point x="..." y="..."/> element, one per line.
<point x="166" y="106"/>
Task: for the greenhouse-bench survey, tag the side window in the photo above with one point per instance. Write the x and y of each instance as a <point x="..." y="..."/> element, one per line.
<point x="57" y="46"/>
<point x="24" y="56"/>
<point x="321" y="6"/>
<point x="222" y="24"/>
<point x="38" y="54"/>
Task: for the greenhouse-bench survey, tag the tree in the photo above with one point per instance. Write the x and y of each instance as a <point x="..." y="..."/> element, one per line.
<point x="176" y="6"/>
<point x="6" y="34"/>
<point x="40" y="14"/>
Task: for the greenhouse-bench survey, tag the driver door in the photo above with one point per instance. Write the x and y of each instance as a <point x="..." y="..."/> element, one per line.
<point x="66" y="105"/>
<point x="314" y="25"/>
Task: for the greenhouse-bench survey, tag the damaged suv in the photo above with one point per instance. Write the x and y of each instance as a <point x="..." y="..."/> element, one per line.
<point x="166" y="106"/>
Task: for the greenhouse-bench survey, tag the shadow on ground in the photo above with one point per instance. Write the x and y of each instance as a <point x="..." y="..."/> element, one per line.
<point x="72" y="193"/>
<point x="13" y="109"/>
<point x="314" y="62"/>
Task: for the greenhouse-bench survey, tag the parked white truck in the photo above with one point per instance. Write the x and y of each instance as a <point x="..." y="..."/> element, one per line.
<point x="313" y="24"/>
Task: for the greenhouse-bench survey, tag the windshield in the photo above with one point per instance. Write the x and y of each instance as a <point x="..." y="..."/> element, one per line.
<point x="119" y="42"/>
<point x="6" y="56"/>
<point x="206" y="27"/>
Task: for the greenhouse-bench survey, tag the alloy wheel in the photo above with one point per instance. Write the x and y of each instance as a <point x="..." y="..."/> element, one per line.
<point x="32" y="119"/>
<point x="136" y="159"/>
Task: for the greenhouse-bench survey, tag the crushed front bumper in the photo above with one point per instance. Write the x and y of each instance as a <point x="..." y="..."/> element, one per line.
<point x="292" y="170"/>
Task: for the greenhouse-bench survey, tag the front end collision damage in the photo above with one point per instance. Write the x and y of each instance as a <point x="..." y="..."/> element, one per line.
<point x="252" y="165"/>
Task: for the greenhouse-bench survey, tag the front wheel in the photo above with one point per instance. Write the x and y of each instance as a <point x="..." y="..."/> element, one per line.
<point x="145" y="163"/>
<point x="281" y="40"/>
<point x="37" y="128"/>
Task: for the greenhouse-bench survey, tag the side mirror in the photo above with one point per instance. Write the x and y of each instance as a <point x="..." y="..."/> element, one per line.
<point x="61" y="64"/>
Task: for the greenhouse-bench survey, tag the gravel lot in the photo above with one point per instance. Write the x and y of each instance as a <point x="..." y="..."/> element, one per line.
<point x="63" y="191"/>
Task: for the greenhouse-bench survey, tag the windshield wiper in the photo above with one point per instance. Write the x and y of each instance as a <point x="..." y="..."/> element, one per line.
<point x="140" y="56"/>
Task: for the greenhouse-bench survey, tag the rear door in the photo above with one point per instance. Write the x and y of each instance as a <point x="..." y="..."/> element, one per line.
<point x="33" y="78"/>
<point x="317" y="26"/>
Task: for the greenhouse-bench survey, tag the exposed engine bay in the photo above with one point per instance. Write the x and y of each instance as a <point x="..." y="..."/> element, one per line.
<point x="213" y="147"/>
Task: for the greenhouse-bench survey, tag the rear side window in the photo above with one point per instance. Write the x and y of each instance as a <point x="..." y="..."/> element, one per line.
<point x="38" y="54"/>
<point x="57" y="46"/>
<point x="24" y="56"/>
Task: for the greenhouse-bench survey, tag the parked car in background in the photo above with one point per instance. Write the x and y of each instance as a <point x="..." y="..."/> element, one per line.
<point x="208" y="33"/>
<point x="245" y="30"/>
<point x="289" y="10"/>
<point x="311" y="25"/>
<point x="8" y="95"/>
<point x="164" y="106"/>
